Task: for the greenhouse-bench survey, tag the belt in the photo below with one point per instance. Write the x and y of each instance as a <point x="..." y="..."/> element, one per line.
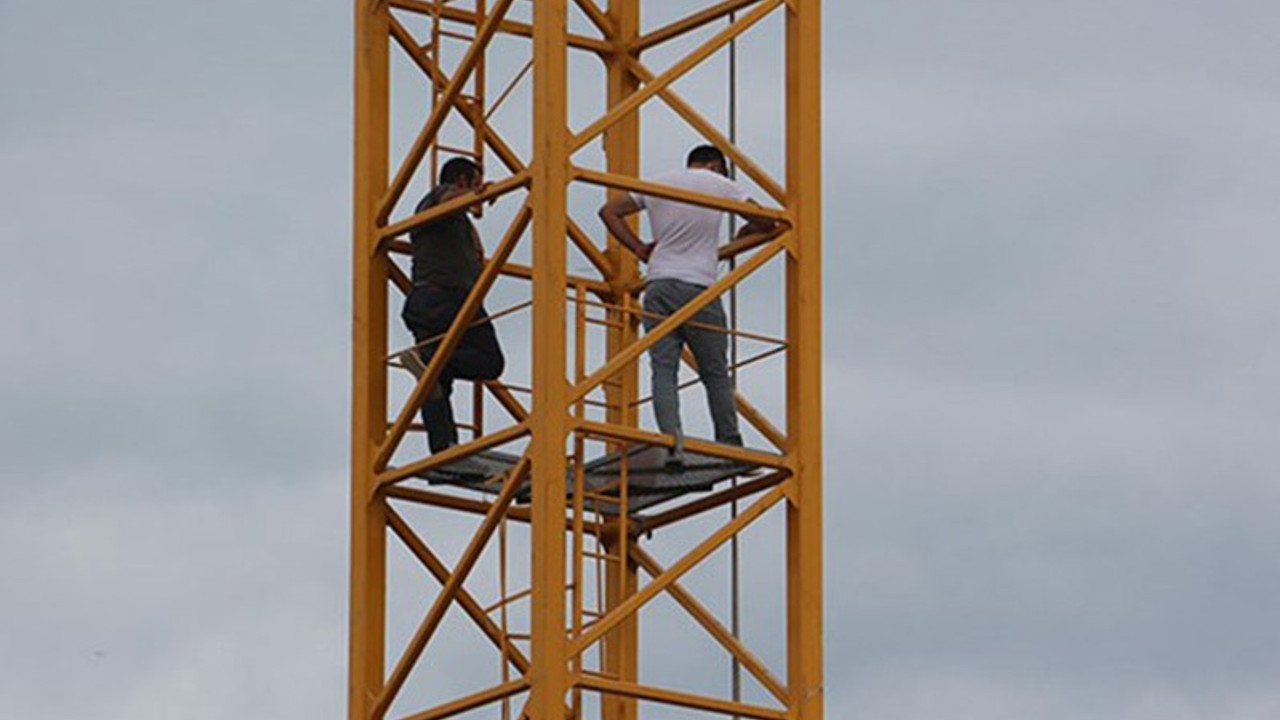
<point x="430" y="285"/>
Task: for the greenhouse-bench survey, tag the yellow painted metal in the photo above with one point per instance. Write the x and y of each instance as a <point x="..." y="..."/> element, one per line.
<point x="684" y="25"/>
<point x="479" y="615"/>
<point x="456" y="452"/>
<point x="558" y="424"/>
<point x="549" y="169"/>
<point x="679" y="699"/>
<point x="494" y="191"/>
<point x="623" y="433"/>
<point x="621" y="649"/>
<point x="804" y="362"/>
<point x="718" y="500"/>
<point x="740" y="160"/>
<point x="634" y="350"/>
<point x="510" y="27"/>
<point x="472" y="701"/>
<point x="714" y="628"/>
<point x="435" y="615"/>
<point x="473" y="507"/>
<point x="675" y="72"/>
<point x="367" y="608"/>
<point x="649" y="188"/>
<point x="444" y="104"/>
<point x="579" y="511"/>
<point x="699" y="553"/>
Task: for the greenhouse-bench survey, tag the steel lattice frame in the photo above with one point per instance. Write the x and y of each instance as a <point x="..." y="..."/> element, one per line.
<point x="553" y="673"/>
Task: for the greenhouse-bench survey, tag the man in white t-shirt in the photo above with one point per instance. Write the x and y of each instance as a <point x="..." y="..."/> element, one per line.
<point x="682" y="262"/>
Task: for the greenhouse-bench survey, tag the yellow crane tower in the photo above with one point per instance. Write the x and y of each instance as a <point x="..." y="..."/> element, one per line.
<point x="556" y="485"/>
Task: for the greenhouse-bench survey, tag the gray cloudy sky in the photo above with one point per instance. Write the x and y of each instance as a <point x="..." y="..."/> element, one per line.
<point x="1053" y="359"/>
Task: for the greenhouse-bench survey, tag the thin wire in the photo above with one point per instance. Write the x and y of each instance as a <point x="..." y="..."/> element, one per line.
<point x="735" y="578"/>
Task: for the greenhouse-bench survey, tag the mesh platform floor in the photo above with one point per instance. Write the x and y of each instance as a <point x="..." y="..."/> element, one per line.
<point x="649" y="481"/>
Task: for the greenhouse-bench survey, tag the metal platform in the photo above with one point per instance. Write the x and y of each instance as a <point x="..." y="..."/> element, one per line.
<point x="649" y="480"/>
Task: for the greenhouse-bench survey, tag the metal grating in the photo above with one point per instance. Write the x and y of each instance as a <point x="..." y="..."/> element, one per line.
<point x="649" y="481"/>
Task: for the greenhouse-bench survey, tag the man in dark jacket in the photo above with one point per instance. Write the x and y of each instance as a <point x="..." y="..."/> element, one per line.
<point x="447" y="260"/>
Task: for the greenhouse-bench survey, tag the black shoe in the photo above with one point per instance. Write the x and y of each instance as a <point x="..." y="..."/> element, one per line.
<point x="676" y="461"/>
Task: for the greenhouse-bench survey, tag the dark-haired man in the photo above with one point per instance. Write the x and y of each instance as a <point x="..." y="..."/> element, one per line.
<point x="447" y="260"/>
<point x="682" y="263"/>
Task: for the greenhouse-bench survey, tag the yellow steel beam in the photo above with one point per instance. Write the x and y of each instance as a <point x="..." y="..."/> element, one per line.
<point x="460" y="203"/>
<point x="743" y="334"/>
<point x="759" y="421"/>
<point x="715" y="290"/>
<point x="738" y="398"/>
<point x="467" y="505"/>
<point x="623" y="182"/>
<point x="627" y="433"/>
<point x="549" y="419"/>
<point x="695" y="556"/>
<point x="620" y="651"/>
<point x="476" y="322"/>
<point x="500" y="148"/>
<point x="478" y="614"/>
<point x="675" y="72"/>
<point x="473" y="701"/>
<point x="509" y="27"/>
<point x="701" y="505"/>
<point x="604" y="23"/>
<point x="457" y="452"/>
<point x="749" y="412"/>
<point x="398" y="278"/>
<point x="588" y="247"/>
<point x="679" y="699"/>
<point x="446" y="102"/>
<point x="743" y="244"/>
<point x="518" y="270"/>
<point x="428" y="626"/>
<point x="507" y="400"/>
<point x="741" y="160"/>
<point x="529" y="272"/>
<point x="804" y="367"/>
<point x="714" y="628"/>
<point x="690" y="23"/>
<point x="547" y="174"/>
<point x="367" y="624"/>
<point x="621" y="648"/>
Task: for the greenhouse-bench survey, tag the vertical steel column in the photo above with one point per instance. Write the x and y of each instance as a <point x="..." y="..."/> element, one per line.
<point x="549" y="420"/>
<point x="622" y="156"/>
<point x="621" y="647"/>
<point x="369" y="336"/>
<point x="804" y="366"/>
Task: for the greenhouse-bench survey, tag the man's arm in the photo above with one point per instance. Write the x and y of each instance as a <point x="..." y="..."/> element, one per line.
<point x="475" y="240"/>
<point x="614" y="214"/>
<point x="449" y="192"/>
<point x="756" y="224"/>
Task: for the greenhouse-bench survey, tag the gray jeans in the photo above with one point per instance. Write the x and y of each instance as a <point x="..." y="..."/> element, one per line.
<point x="709" y="348"/>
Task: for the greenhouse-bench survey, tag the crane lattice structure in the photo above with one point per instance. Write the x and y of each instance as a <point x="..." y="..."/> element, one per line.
<point x="559" y="477"/>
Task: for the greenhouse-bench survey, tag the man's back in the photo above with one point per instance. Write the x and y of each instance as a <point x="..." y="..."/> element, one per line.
<point x="686" y="236"/>
<point x="444" y="251"/>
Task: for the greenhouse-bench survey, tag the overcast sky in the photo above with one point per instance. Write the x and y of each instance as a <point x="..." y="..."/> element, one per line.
<point x="1052" y="359"/>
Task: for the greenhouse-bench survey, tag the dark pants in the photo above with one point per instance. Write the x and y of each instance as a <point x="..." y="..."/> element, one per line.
<point x="428" y="312"/>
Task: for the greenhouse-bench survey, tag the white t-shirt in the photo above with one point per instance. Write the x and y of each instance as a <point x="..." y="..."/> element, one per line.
<point x="686" y="237"/>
